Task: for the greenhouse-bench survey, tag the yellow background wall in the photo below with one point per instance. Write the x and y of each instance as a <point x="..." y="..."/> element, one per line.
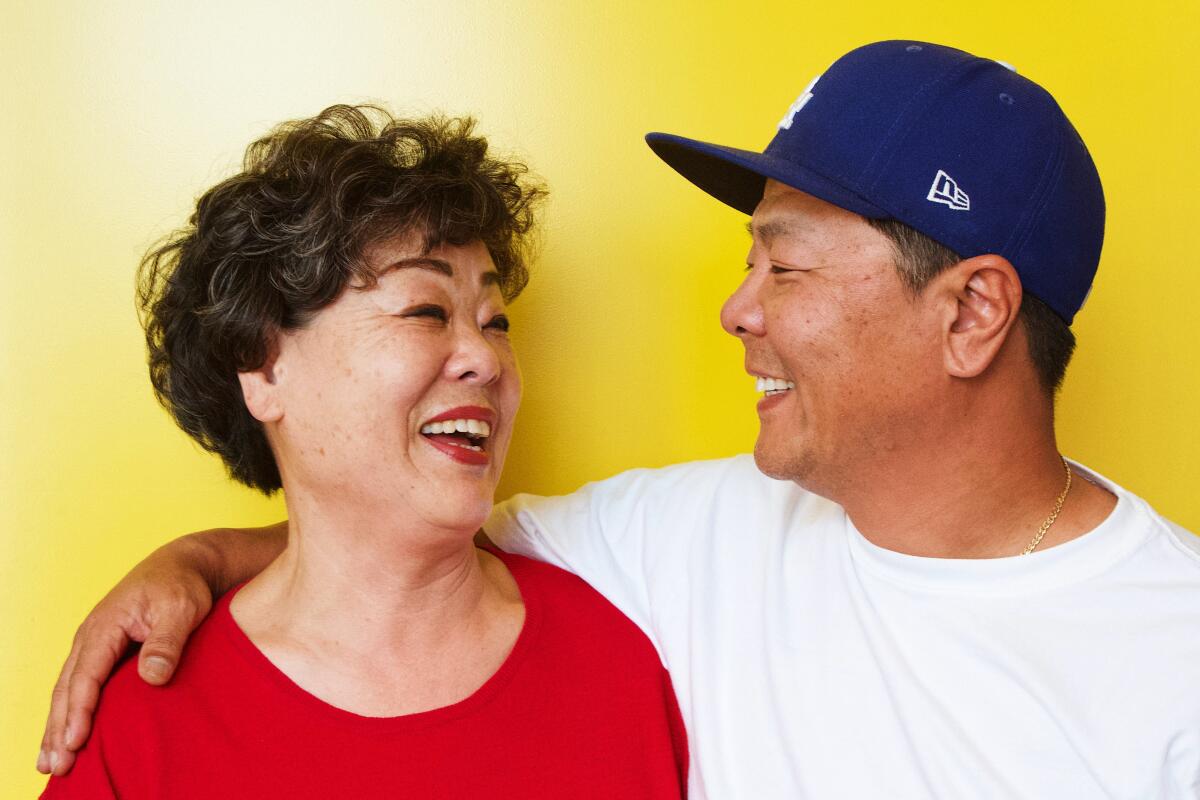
<point x="114" y="115"/>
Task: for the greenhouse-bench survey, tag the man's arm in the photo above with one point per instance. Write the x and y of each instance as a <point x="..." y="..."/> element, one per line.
<point x="159" y="603"/>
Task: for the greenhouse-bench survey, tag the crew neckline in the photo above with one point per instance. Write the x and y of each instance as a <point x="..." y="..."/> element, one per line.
<point x="1078" y="559"/>
<point x="292" y="692"/>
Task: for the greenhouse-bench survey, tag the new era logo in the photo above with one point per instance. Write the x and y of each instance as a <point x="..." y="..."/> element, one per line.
<point x="945" y="190"/>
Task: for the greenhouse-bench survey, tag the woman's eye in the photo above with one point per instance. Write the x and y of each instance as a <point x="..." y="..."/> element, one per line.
<point x="499" y="323"/>
<point x="429" y="311"/>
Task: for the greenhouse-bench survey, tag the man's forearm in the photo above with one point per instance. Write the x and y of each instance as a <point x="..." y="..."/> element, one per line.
<point x="229" y="556"/>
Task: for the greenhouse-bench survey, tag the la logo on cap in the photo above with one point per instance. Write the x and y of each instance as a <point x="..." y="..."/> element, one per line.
<point x="801" y="102"/>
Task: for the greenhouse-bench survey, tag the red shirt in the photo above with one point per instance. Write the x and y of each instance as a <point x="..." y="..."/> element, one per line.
<point x="582" y="707"/>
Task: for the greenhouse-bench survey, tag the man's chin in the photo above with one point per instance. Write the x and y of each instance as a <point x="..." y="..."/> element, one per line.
<point x="780" y="466"/>
<point x="801" y="468"/>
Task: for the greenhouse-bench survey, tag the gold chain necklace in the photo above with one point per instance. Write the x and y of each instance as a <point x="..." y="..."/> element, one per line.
<point x="1058" y="504"/>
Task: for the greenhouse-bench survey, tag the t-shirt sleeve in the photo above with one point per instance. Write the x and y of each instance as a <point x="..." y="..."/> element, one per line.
<point x="629" y="536"/>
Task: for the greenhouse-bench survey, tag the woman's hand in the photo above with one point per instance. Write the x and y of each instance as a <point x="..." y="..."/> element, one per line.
<point x="159" y="603"/>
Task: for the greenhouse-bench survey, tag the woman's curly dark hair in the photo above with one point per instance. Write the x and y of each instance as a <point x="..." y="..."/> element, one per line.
<point x="272" y="245"/>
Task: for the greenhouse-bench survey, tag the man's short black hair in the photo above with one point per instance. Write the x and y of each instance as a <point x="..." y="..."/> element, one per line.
<point x="919" y="259"/>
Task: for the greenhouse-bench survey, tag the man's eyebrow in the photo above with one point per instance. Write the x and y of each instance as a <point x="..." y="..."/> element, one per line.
<point x="771" y="229"/>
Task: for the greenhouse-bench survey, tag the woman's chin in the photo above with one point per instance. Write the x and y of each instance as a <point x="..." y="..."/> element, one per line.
<point x="461" y="511"/>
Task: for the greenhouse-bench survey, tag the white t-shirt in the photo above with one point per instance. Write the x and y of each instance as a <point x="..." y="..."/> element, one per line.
<point x="810" y="663"/>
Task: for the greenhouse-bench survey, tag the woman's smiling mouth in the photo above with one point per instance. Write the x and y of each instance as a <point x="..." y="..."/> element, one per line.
<point x="461" y="433"/>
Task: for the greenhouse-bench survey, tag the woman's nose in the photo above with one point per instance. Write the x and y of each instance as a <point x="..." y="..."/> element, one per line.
<point x="475" y="359"/>
<point x="742" y="313"/>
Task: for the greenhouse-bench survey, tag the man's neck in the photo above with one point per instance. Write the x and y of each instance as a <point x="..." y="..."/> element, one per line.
<point x="986" y="501"/>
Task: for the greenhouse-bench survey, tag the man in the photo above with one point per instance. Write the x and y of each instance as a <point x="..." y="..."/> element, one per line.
<point x="930" y="600"/>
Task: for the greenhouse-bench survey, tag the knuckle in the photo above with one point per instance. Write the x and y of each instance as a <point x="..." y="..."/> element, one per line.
<point x="82" y="632"/>
<point x="162" y="642"/>
<point x="81" y="684"/>
<point x="177" y="603"/>
<point x="184" y="607"/>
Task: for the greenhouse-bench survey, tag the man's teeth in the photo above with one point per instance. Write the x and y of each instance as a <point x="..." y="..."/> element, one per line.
<point x="474" y="427"/>
<point x="773" y="385"/>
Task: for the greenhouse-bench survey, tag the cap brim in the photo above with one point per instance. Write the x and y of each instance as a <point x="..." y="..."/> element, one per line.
<point x="737" y="177"/>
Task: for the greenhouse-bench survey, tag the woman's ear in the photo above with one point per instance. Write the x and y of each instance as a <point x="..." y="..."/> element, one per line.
<point x="260" y="388"/>
<point x="983" y="298"/>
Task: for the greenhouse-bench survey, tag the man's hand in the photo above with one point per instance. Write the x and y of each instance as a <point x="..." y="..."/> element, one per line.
<point x="159" y="604"/>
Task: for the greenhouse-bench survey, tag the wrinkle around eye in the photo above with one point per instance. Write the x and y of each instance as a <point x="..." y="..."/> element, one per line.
<point x="427" y="312"/>
<point x="499" y="323"/>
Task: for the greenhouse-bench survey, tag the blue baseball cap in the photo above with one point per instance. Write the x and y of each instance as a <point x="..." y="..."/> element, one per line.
<point x="961" y="148"/>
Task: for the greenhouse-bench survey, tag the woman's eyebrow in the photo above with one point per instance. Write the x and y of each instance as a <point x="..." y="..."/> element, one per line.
<point x="422" y="262"/>
<point x="442" y="267"/>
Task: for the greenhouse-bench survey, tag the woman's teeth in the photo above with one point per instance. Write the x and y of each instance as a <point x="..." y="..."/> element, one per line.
<point x="467" y="433"/>
<point x="771" y="385"/>
<point x="474" y="447"/>
<point x="476" y="427"/>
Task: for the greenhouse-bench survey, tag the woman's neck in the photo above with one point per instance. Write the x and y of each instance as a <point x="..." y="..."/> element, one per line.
<point x="381" y="617"/>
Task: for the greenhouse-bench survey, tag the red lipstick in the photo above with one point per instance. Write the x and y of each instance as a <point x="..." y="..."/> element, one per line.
<point x="466" y="412"/>
<point x="453" y="444"/>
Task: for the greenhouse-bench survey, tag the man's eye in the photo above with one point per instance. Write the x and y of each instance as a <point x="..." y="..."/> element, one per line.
<point x="430" y="311"/>
<point x="499" y="323"/>
<point x="782" y="270"/>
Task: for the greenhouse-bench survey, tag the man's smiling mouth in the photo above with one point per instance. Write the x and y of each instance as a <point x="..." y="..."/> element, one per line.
<point x="772" y="386"/>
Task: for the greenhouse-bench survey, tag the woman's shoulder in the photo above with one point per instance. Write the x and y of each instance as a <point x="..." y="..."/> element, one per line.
<point x="127" y="697"/>
<point x="585" y="656"/>
<point x="136" y="722"/>
<point x="570" y="612"/>
<point x="532" y="575"/>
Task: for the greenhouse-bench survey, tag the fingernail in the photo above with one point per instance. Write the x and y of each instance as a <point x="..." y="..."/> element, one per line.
<point x="69" y="737"/>
<point x="156" y="668"/>
<point x="43" y="761"/>
<point x="54" y="760"/>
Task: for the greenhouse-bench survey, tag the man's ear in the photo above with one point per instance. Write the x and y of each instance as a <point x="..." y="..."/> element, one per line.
<point x="983" y="298"/>
<point x="260" y="388"/>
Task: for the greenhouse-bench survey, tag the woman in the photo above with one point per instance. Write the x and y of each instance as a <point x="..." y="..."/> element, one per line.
<point x="332" y="323"/>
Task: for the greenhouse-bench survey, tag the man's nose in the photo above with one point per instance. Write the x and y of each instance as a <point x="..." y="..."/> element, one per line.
<point x="742" y="313"/>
